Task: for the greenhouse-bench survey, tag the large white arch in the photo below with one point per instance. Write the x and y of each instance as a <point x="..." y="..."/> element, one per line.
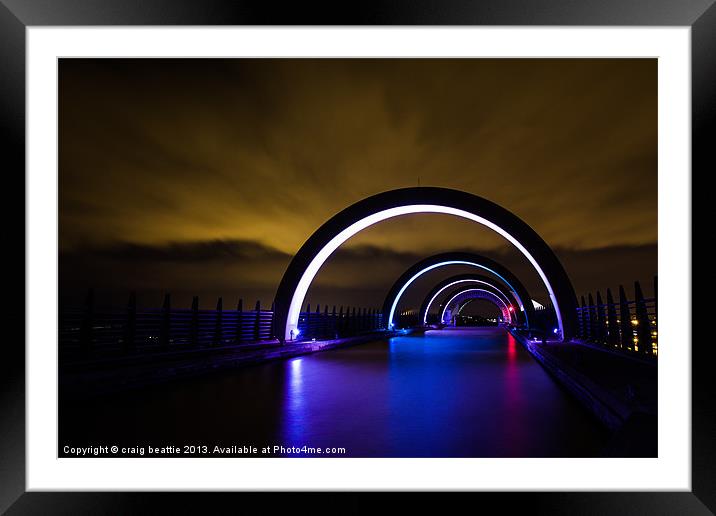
<point x="309" y="273"/>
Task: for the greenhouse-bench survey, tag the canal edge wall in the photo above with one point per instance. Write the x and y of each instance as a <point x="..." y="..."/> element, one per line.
<point x="608" y="409"/>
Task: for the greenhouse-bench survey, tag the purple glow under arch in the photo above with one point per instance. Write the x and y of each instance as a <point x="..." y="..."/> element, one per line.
<point x="442" y="289"/>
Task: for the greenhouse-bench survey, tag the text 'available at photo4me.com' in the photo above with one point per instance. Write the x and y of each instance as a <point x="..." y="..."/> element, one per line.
<point x="200" y="450"/>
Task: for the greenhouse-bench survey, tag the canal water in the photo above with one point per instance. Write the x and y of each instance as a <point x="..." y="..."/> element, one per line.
<point x="449" y="393"/>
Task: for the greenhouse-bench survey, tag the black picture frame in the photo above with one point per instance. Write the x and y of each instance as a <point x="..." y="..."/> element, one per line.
<point x="16" y="15"/>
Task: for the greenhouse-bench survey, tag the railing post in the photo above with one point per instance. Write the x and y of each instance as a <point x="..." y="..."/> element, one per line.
<point x="627" y="335"/>
<point x="593" y="326"/>
<point x="334" y="323"/>
<point x="165" y="322"/>
<point x="317" y="331"/>
<point x="656" y="312"/>
<point x="86" y="329"/>
<point x="130" y="326"/>
<point x="257" y="322"/>
<point x="239" y="321"/>
<point x="273" y="313"/>
<point x="194" y="324"/>
<point x="601" y="320"/>
<point x="582" y="319"/>
<point x="341" y="323"/>
<point x="587" y="320"/>
<point x="218" y="326"/>
<point x="643" y="328"/>
<point x="656" y="301"/>
<point x="307" y="333"/>
<point x="353" y="321"/>
<point x="612" y="328"/>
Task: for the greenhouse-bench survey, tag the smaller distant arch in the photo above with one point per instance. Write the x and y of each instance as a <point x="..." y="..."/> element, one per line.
<point x="474" y="293"/>
<point x="455" y="258"/>
<point x="508" y="295"/>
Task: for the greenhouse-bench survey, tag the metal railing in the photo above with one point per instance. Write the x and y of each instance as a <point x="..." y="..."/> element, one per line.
<point x="87" y="331"/>
<point x="337" y="323"/>
<point x="90" y="332"/>
<point x="629" y="325"/>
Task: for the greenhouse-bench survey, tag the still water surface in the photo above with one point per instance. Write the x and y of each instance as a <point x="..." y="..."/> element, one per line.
<point x="450" y="393"/>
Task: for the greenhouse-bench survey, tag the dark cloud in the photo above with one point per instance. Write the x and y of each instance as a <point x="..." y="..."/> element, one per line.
<point x="359" y="275"/>
<point x="205" y="253"/>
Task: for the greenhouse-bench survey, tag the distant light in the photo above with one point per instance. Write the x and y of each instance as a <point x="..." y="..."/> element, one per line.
<point x="555" y="331"/>
<point x="511" y="308"/>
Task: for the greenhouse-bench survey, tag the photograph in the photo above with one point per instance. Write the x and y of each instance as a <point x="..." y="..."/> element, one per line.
<point x="301" y="258"/>
<point x="357" y="257"/>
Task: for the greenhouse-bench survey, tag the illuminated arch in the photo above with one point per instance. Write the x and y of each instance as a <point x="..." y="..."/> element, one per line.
<point x="315" y="251"/>
<point x="456" y="258"/>
<point x="505" y="302"/>
<point x="510" y="304"/>
<point x="463" y="304"/>
<point x="504" y="291"/>
<point x="477" y="293"/>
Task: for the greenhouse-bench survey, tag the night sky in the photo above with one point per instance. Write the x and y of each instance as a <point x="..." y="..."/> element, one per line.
<point x="205" y="176"/>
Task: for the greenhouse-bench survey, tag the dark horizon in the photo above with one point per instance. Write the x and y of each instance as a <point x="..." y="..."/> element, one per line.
<point x="624" y="265"/>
